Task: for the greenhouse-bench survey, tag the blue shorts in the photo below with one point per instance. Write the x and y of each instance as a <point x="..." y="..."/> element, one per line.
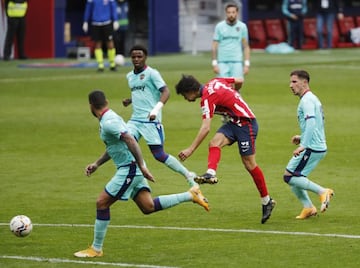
<point x="152" y="132"/>
<point x="244" y="134"/>
<point x="127" y="183"/>
<point x="231" y="69"/>
<point x="303" y="164"/>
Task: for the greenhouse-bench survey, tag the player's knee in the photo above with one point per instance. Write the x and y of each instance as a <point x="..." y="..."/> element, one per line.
<point x="287" y="178"/>
<point x="159" y="154"/>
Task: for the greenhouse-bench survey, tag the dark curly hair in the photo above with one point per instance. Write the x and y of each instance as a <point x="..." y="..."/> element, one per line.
<point x="186" y="84"/>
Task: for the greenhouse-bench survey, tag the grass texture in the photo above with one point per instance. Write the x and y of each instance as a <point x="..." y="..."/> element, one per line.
<point x="48" y="136"/>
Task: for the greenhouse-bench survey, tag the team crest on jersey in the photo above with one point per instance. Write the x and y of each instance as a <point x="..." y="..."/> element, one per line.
<point x="142" y="76"/>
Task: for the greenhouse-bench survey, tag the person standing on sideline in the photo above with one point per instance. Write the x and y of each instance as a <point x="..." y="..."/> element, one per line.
<point x="218" y="95"/>
<point x="104" y="21"/>
<point x="295" y="10"/>
<point x="230" y="46"/>
<point x="311" y="147"/>
<point x="327" y="11"/>
<point x="149" y="93"/>
<point x="120" y="35"/>
<point x="129" y="180"/>
<point x="16" y="26"/>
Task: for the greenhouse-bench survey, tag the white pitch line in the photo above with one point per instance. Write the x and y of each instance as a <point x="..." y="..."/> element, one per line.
<point x="56" y="260"/>
<point x="350" y="236"/>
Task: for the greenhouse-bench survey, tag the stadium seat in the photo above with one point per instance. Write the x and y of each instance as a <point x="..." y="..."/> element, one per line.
<point x="310" y="34"/>
<point x="357" y="21"/>
<point x="344" y="26"/>
<point x="275" y="32"/>
<point x="338" y="40"/>
<point x="257" y="36"/>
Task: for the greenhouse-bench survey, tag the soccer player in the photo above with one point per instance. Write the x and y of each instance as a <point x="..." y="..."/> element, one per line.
<point x="129" y="180"/>
<point x="149" y="93"/>
<point x="104" y="22"/>
<point x="218" y="95"/>
<point x="311" y="147"/>
<point x="230" y="46"/>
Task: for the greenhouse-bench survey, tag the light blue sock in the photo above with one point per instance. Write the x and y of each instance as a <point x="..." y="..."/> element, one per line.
<point x="306" y="184"/>
<point x="303" y="196"/>
<point x="175" y="165"/>
<point x="100" y="229"/>
<point x="167" y="201"/>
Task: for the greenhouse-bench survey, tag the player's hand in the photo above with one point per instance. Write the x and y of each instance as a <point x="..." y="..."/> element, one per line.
<point x="85" y="27"/>
<point x="147" y="173"/>
<point x="184" y="154"/>
<point x="116" y="25"/>
<point x="298" y="151"/>
<point x="91" y="168"/>
<point x="216" y="69"/>
<point x="126" y="102"/>
<point x="152" y="117"/>
<point x="154" y="112"/>
<point x="296" y="139"/>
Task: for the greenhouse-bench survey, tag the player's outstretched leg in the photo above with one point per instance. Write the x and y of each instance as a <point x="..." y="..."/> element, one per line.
<point x="199" y="198"/>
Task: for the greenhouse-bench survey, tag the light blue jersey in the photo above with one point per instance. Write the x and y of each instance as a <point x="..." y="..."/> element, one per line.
<point x="112" y="126"/>
<point x="311" y="121"/>
<point x="229" y="38"/>
<point x="146" y="88"/>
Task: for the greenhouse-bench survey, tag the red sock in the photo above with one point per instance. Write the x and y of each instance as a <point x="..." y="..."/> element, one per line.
<point x="259" y="180"/>
<point x="214" y="157"/>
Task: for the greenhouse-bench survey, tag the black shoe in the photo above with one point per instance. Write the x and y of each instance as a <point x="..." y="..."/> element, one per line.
<point x="6" y="58"/>
<point x="206" y="178"/>
<point x="267" y="209"/>
<point x="23" y="58"/>
<point x="113" y="69"/>
<point x="100" y="70"/>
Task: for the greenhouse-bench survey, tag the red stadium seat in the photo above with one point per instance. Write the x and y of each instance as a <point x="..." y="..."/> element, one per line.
<point x="357" y="21"/>
<point x="275" y="32"/>
<point x="257" y="36"/>
<point x="310" y="34"/>
<point x="338" y="40"/>
<point x="344" y="27"/>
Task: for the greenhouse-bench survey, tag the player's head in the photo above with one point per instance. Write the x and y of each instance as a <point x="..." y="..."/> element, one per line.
<point x="97" y="101"/>
<point x="138" y="54"/>
<point x="231" y="11"/>
<point x="139" y="47"/>
<point x="189" y="87"/>
<point x="302" y="74"/>
<point x="299" y="82"/>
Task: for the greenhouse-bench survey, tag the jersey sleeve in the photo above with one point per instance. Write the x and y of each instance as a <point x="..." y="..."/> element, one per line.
<point x="157" y="80"/>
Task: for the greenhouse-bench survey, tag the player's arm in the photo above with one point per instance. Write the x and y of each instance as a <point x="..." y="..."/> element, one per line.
<point x="203" y="132"/>
<point x="165" y="94"/>
<point x="134" y="148"/>
<point x="91" y="168"/>
<point x="246" y="51"/>
<point x="214" y="62"/>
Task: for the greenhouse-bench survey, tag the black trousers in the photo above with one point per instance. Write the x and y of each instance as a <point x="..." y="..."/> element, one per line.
<point x="16" y="28"/>
<point x="296" y="32"/>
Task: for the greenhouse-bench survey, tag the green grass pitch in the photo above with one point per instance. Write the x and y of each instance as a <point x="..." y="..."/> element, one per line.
<point x="48" y="136"/>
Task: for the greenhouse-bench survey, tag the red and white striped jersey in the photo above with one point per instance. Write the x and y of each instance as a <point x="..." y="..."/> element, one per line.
<point x="219" y="96"/>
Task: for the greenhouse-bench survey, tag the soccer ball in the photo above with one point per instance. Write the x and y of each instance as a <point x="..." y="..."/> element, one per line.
<point x="119" y="60"/>
<point x="21" y="225"/>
